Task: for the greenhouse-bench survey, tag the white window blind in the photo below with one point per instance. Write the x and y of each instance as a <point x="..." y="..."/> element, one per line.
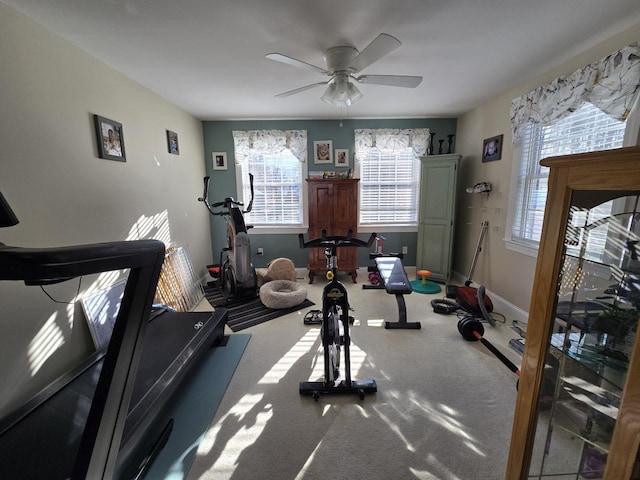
<point x="389" y="188"/>
<point x="277" y="184"/>
<point x="585" y="130"/>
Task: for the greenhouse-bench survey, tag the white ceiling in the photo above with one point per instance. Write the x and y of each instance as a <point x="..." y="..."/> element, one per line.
<point x="208" y="57"/>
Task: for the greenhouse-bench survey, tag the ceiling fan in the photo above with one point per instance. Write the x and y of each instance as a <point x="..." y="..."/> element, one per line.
<point x="342" y="65"/>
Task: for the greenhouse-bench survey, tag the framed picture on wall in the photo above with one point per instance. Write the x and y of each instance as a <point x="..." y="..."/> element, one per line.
<point x="342" y="157"/>
<point x="110" y="139"/>
<point x="219" y="160"/>
<point x="323" y="151"/>
<point x="172" y="142"/>
<point x="492" y="149"/>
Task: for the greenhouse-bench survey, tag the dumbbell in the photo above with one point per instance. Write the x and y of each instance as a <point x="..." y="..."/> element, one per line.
<point x="472" y="330"/>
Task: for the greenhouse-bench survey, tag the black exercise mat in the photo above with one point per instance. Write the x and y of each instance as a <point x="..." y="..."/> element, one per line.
<point x="216" y="298"/>
<point x="250" y="312"/>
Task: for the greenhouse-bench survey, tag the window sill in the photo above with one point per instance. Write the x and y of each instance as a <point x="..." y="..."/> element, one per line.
<point x="361" y="229"/>
<point x="521" y="248"/>
<point x="386" y="228"/>
<point x="277" y="230"/>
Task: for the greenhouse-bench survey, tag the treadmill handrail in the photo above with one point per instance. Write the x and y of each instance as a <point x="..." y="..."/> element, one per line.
<point x="98" y="451"/>
<point x="62" y="263"/>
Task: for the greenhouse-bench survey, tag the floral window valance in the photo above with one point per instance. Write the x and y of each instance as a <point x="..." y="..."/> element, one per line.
<point x="390" y="140"/>
<point x="611" y="84"/>
<point x="270" y="142"/>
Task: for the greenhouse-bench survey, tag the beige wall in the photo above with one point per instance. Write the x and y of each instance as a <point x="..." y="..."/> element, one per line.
<point x="63" y="194"/>
<point x="507" y="274"/>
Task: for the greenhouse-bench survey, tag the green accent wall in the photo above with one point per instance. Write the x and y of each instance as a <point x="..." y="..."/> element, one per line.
<point x="218" y="138"/>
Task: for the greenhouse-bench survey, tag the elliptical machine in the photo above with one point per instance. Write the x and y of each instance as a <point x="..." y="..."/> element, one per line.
<point x="238" y="278"/>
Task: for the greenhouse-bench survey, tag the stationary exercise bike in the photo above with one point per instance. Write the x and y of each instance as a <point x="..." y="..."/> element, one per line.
<point x="237" y="276"/>
<point x="334" y="331"/>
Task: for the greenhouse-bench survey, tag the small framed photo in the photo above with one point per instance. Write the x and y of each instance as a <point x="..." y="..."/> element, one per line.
<point x="342" y="157"/>
<point x="110" y="139"/>
<point x="492" y="149"/>
<point x="172" y="142"/>
<point x="323" y="151"/>
<point x="219" y="160"/>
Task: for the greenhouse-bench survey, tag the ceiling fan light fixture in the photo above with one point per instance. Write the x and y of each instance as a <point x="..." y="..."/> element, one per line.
<point x="345" y="61"/>
<point x="341" y="93"/>
<point x="353" y="93"/>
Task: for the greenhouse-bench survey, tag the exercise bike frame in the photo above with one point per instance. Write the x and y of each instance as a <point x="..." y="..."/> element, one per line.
<point x="237" y="275"/>
<point x="335" y="313"/>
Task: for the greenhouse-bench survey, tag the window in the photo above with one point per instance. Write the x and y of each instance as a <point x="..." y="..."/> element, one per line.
<point x="279" y="202"/>
<point x="389" y="177"/>
<point x="277" y="185"/>
<point x="585" y="130"/>
<point x="389" y="186"/>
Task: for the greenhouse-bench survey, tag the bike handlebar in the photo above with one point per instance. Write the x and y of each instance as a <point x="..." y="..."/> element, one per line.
<point x="336" y="241"/>
<point x="227" y="202"/>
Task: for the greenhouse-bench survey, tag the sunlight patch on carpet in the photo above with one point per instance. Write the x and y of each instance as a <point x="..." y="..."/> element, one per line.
<point x="236" y="414"/>
<point x="250" y="428"/>
<point x="447" y="420"/>
<point x="393" y="427"/>
<point x="474" y="449"/>
<point x="245" y="436"/>
<point x="375" y="322"/>
<point x="424" y="475"/>
<point x="301" y="348"/>
<point x="301" y="475"/>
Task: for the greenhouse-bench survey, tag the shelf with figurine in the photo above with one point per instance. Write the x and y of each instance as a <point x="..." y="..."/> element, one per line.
<point x="331" y="175"/>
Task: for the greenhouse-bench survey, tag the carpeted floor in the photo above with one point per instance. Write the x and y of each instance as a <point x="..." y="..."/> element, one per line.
<point x="250" y="312"/>
<point x="443" y="410"/>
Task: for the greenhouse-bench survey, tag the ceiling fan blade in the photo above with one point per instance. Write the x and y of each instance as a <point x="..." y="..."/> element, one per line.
<point x="406" y="81"/>
<point x="278" y="57"/>
<point x="301" y="89"/>
<point x="378" y="48"/>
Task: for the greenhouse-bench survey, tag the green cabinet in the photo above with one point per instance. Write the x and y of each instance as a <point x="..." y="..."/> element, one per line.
<point x="438" y="181"/>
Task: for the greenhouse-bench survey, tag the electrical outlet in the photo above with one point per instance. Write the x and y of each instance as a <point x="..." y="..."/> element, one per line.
<point x="260" y="251"/>
<point x="405" y="250"/>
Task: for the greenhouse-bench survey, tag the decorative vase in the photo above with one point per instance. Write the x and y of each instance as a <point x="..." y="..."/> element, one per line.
<point x="440" y="149"/>
<point x="450" y="140"/>
<point x="430" y="149"/>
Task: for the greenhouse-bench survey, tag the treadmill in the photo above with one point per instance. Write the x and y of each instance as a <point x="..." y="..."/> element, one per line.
<point x="107" y="417"/>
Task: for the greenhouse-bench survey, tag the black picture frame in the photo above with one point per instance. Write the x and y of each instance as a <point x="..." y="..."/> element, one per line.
<point x="219" y="160"/>
<point x="492" y="148"/>
<point x="110" y="139"/>
<point x="172" y="143"/>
